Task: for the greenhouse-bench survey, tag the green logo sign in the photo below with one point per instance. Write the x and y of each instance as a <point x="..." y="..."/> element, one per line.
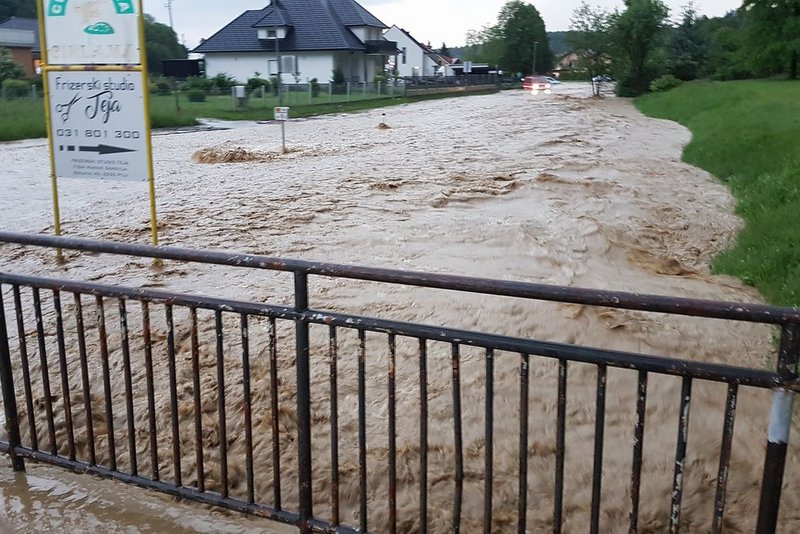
<point x="58" y="8"/>
<point x="99" y="28"/>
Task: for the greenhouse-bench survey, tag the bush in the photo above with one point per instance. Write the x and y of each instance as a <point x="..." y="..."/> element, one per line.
<point x="276" y="85"/>
<point x="314" y="87"/>
<point x="163" y="87"/>
<point x="224" y="82"/>
<point x="16" y="88"/>
<point x="253" y="84"/>
<point x="196" y="95"/>
<point x="198" y="82"/>
<point x="338" y="77"/>
<point x="664" y="83"/>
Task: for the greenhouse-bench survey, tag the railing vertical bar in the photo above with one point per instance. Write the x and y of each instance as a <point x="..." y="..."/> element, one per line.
<point x="423" y="436"/>
<point x="638" y="447"/>
<point x="680" y="455"/>
<point x="103" y="336"/>
<point x="457" y="438"/>
<point x="488" y="459"/>
<point x="725" y="457"/>
<point x="9" y="396"/>
<point x="362" y="432"/>
<point x="126" y="362"/>
<point x="561" y="417"/>
<point x="48" y="403"/>
<point x="780" y="423"/>
<point x="524" y="385"/>
<point x="599" y="431"/>
<point x="248" y="409"/>
<point x="334" y="395"/>
<point x="64" y="371"/>
<point x="173" y="398"/>
<point x="223" y="431"/>
<point x="151" y="400"/>
<point x="198" y="406"/>
<point x="392" y="436"/>
<point x="303" y="373"/>
<point x="273" y="391"/>
<point x="26" y="369"/>
<point x="85" y="382"/>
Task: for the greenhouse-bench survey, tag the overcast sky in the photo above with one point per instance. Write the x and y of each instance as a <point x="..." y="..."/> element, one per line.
<point x="436" y="21"/>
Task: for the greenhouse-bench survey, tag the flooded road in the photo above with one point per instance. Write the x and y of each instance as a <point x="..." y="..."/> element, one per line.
<point x="560" y="189"/>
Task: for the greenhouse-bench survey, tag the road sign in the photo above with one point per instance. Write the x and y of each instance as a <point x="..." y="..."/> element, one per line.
<point x="98" y="125"/>
<point x="282" y="113"/>
<point x="90" y="32"/>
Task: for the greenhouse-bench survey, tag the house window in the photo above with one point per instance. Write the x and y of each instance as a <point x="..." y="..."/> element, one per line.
<point x="272" y="67"/>
<point x="271" y="34"/>
<point x="404" y="55"/>
<point x="289" y="64"/>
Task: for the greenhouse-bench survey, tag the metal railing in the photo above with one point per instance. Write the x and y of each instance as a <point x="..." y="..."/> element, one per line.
<point x="132" y="448"/>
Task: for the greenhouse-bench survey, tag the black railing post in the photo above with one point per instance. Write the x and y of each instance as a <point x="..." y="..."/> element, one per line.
<point x="780" y="420"/>
<point x="9" y="398"/>
<point x="303" y="402"/>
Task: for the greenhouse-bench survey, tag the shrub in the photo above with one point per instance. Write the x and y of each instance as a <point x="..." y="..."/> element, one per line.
<point x="196" y="95"/>
<point x="163" y="87"/>
<point x="276" y="85"/>
<point x="198" y="82"/>
<point x="665" y="83"/>
<point x="224" y="82"/>
<point x="16" y="88"/>
<point x="338" y="76"/>
<point x="574" y="76"/>
<point x="314" y="87"/>
<point x="254" y="83"/>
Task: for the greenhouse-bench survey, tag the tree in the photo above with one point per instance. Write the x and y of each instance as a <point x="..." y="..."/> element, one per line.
<point x="8" y="69"/>
<point x="17" y="8"/>
<point x="637" y="32"/>
<point x="773" y="35"/>
<point x="687" y="46"/>
<point x="444" y="50"/>
<point x="591" y="38"/>
<point x="161" y="43"/>
<point x="522" y="35"/>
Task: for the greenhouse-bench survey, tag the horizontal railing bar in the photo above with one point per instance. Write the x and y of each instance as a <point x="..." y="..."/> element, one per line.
<point x="615" y="299"/>
<point x="155" y="296"/>
<point x="656" y="364"/>
<point x="213" y="499"/>
<point x="626" y="360"/>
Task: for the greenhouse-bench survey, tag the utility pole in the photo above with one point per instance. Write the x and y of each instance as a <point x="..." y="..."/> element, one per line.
<point x="278" y="59"/>
<point x="535" y="45"/>
<point x="169" y="9"/>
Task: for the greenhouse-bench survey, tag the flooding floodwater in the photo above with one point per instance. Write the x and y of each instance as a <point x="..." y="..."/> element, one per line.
<point x="560" y="189"/>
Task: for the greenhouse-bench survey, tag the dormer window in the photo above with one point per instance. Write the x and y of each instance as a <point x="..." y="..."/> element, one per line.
<point x="270" y="34"/>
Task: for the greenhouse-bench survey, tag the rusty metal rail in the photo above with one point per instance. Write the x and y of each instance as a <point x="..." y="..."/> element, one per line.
<point x="58" y="443"/>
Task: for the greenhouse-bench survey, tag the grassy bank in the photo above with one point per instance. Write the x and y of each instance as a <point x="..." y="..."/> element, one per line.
<point x="748" y="134"/>
<point x="24" y="118"/>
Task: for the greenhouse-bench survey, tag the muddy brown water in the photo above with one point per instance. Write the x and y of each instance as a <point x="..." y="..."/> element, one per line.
<point x="560" y="189"/>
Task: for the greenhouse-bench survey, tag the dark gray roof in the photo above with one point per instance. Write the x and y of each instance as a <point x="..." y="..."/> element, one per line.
<point x="312" y="25"/>
<point x="20" y="23"/>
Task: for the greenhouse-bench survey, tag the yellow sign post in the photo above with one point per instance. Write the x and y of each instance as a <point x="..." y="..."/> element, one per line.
<point x="96" y="94"/>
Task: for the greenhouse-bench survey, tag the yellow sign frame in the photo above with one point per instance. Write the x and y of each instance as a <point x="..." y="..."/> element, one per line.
<point x="142" y="68"/>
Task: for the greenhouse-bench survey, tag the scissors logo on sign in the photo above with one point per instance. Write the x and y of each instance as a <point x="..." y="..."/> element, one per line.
<point x="63" y="109"/>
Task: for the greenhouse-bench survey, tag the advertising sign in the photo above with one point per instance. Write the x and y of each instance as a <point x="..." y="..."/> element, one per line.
<point x="282" y="113"/>
<point x="90" y="32"/>
<point x="98" y="125"/>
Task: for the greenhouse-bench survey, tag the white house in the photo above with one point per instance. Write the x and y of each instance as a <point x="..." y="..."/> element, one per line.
<point x="312" y="38"/>
<point x="414" y="58"/>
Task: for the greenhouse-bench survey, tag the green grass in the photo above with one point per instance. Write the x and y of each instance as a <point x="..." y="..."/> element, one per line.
<point x="748" y="134"/>
<point x="24" y="118"/>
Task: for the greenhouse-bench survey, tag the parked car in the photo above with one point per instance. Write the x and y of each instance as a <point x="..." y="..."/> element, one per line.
<point x="534" y="84"/>
<point x="553" y="81"/>
<point x="603" y="78"/>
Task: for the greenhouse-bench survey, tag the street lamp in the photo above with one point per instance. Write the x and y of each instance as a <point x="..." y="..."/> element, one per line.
<point x="535" y="45"/>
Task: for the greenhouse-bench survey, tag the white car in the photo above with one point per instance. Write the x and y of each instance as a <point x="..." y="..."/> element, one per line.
<point x="553" y="81"/>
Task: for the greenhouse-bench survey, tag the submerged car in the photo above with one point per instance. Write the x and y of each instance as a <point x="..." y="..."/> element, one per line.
<point x="534" y="84"/>
<point x="553" y="81"/>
